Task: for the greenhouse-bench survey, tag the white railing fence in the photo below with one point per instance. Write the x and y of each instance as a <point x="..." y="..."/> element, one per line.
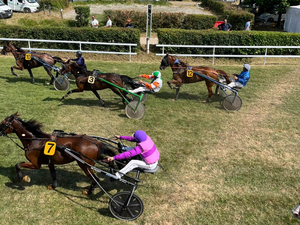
<point x="214" y="47"/>
<point x="80" y="46"/>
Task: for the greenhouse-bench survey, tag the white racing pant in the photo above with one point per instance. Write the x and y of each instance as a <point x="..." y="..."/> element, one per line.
<point x="234" y="84"/>
<point x="135" y="164"/>
<point x="140" y="89"/>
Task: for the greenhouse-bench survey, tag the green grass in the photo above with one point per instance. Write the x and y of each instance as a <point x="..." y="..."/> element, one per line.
<point x="235" y="168"/>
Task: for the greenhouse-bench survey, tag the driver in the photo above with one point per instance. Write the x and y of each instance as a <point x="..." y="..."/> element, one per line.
<point x="145" y="148"/>
<point x="155" y="84"/>
<point x="241" y="80"/>
<point x="79" y="60"/>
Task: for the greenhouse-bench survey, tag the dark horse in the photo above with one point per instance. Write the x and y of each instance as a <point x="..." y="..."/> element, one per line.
<point x="22" y="64"/>
<point x="34" y="140"/>
<point x="180" y="75"/>
<point x="82" y="81"/>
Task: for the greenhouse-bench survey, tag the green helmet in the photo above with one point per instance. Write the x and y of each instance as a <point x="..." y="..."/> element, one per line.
<point x="156" y="73"/>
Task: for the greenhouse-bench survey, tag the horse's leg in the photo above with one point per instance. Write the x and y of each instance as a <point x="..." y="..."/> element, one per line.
<point x="209" y="85"/>
<point x="53" y="176"/>
<point x="27" y="165"/>
<point x="70" y="92"/>
<point x="177" y="93"/>
<point x="50" y="75"/>
<point x="98" y="96"/>
<point x="18" y="67"/>
<point x="90" y="174"/>
<point x="31" y="75"/>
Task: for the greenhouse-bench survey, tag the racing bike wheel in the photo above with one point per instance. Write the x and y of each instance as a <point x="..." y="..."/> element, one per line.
<point x="132" y="211"/>
<point x="232" y="103"/>
<point x="144" y="98"/>
<point x="138" y="113"/>
<point x="61" y="84"/>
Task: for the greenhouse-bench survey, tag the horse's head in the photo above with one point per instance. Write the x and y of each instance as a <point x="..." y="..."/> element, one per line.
<point x="6" y="125"/>
<point x="164" y="62"/>
<point x="3" y="52"/>
<point x="72" y="67"/>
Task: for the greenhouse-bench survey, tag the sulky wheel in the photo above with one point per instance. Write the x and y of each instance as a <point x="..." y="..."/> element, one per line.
<point x="138" y="113"/>
<point x="144" y="98"/>
<point x="232" y="103"/>
<point x="132" y="211"/>
<point x="61" y="84"/>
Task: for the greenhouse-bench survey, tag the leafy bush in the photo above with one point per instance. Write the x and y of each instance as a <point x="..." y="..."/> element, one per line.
<point x="113" y="35"/>
<point x="161" y="20"/>
<point x="82" y="16"/>
<point x="233" y="38"/>
<point x="55" y="4"/>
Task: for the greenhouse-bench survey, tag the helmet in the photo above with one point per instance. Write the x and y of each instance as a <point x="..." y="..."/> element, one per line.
<point x="156" y="74"/>
<point x="128" y="21"/>
<point x="247" y="66"/>
<point x="78" y="53"/>
<point x="140" y="135"/>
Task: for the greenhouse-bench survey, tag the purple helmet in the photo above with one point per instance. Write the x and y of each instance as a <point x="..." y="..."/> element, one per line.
<point x="140" y="135"/>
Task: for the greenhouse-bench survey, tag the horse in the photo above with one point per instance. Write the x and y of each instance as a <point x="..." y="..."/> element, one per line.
<point x="82" y="81"/>
<point x="22" y="64"/>
<point x="34" y="139"/>
<point x="180" y="75"/>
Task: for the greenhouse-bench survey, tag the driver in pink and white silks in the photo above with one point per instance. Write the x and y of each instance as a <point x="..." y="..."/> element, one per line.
<point x="145" y="147"/>
<point x="154" y="86"/>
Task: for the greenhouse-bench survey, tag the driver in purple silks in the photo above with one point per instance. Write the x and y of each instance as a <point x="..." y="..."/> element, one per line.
<point x="79" y="60"/>
<point x="145" y="147"/>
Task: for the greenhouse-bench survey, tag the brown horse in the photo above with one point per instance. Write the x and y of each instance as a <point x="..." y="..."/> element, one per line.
<point x="34" y="140"/>
<point x="22" y="64"/>
<point x="180" y="75"/>
<point x="82" y="81"/>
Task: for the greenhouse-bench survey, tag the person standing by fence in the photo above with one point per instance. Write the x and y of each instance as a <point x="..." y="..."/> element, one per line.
<point x="108" y="23"/>
<point x="247" y="25"/>
<point x="225" y="26"/>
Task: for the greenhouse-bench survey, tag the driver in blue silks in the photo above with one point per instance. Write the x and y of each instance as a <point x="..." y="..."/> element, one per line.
<point x="79" y="60"/>
<point x="242" y="79"/>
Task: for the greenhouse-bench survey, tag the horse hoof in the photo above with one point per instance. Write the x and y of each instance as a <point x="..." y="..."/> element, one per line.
<point x="173" y="99"/>
<point x="32" y="81"/>
<point x="27" y="179"/>
<point x="50" y="187"/>
<point x="85" y="192"/>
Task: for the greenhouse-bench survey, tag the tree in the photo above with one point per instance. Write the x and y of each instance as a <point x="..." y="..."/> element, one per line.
<point x="283" y="5"/>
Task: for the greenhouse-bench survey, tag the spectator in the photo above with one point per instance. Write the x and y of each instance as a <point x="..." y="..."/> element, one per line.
<point x="242" y="79"/>
<point x="108" y="23"/>
<point x="225" y="26"/>
<point x="128" y="24"/>
<point x="247" y="26"/>
<point x="94" y="22"/>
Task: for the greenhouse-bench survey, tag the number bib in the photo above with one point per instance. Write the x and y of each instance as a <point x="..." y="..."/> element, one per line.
<point x="91" y="79"/>
<point x="28" y="56"/>
<point x="189" y="73"/>
<point x="50" y="148"/>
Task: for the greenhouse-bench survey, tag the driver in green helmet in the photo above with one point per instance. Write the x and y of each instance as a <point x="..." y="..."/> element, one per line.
<point x="154" y="86"/>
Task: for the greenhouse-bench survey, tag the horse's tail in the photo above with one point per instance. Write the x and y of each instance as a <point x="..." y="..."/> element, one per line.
<point x="128" y="81"/>
<point x="57" y="59"/>
<point x="225" y="75"/>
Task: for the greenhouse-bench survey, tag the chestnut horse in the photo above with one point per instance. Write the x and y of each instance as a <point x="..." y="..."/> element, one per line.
<point x="82" y="81"/>
<point x="181" y="77"/>
<point x="22" y="64"/>
<point x="34" y="140"/>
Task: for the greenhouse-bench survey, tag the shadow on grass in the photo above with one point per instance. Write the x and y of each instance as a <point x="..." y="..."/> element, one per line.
<point x="27" y="79"/>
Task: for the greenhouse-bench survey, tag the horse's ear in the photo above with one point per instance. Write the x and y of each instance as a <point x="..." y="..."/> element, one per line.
<point x="16" y="114"/>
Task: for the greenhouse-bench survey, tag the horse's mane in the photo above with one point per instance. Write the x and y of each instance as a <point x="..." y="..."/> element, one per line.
<point x="80" y="69"/>
<point x="34" y="127"/>
<point x="19" y="49"/>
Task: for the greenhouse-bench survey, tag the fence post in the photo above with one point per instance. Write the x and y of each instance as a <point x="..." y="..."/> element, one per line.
<point x="163" y="50"/>
<point x="265" y="56"/>
<point x="29" y="45"/>
<point x="129" y="53"/>
<point x="213" y="62"/>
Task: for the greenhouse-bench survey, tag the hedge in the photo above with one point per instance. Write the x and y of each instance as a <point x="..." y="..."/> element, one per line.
<point x="161" y="20"/>
<point x="113" y="35"/>
<point x="216" y="37"/>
